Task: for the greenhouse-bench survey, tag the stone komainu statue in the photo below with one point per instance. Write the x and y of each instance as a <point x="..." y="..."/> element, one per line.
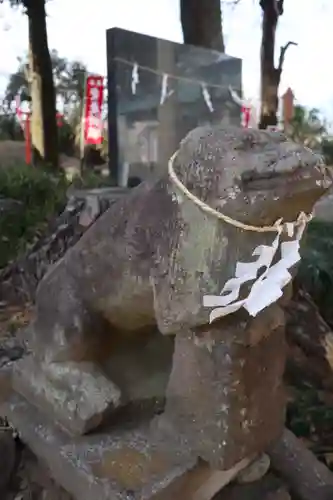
<point x="121" y="318"/>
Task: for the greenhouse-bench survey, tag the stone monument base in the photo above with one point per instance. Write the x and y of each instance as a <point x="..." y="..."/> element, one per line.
<point x="123" y="462"/>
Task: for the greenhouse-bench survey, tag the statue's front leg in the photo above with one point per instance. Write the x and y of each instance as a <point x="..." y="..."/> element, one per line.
<point x="225" y="397"/>
<point x="62" y="375"/>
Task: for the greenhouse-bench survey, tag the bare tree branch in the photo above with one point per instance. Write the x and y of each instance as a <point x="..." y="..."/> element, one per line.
<point x="283" y="51"/>
<point x="302" y="471"/>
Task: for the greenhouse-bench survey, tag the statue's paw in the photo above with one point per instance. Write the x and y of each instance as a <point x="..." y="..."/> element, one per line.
<point x="76" y="395"/>
<point x="255" y="471"/>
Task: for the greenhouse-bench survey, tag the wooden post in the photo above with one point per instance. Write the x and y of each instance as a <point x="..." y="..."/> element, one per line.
<point x="27" y="137"/>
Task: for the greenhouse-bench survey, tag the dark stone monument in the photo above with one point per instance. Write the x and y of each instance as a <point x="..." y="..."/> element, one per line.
<point x="143" y="133"/>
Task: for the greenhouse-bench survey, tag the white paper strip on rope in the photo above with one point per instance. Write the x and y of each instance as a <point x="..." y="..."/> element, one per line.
<point x="206" y="96"/>
<point x="135" y="77"/>
<point x="249" y="109"/>
<point x="266" y="288"/>
<point x="235" y="97"/>
<point x="164" y="89"/>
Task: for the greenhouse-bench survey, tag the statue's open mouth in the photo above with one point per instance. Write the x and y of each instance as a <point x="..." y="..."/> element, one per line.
<point x="315" y="177"/>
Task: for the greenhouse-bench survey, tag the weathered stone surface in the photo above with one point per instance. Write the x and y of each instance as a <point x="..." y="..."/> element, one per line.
<point x="268" y="488"/>
<point x="227" y="401"/>
<point x="143" y="382"/>
<point x="104" y="395"/>
<point x="324" y="207"/>
<point x="123" y="462"/>
<point x="148" y="261"/>
<point x="255" y="471"/>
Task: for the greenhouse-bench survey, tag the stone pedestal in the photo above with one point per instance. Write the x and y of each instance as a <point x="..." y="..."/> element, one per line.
<point x="224" y="405"/>
<point x="123" y="461"/>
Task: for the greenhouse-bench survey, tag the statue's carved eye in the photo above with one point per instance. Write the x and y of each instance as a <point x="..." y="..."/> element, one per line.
<point x="246" y="143"/>
<point x="250" y="141"/>
<point x="248" y="176"/>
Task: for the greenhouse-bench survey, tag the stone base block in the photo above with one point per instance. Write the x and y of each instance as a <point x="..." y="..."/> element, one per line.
<point x="79" y="403"/>
<point x="124" y="462"/>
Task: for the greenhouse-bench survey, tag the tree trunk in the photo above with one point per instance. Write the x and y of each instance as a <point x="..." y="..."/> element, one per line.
<point x="202" y="23"/>
<point x="43" y="127"/>
<point x="270" y="76"/>
<point x="308" y="478"/>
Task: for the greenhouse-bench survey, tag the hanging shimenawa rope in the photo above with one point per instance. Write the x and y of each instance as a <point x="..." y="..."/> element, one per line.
<point x="181" y="78"/>
<point x="277" y="227"/>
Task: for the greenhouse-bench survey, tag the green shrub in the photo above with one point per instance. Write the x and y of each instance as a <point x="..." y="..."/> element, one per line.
<point x="92" y="180"/>
<point x="307" y="415"/>
<point x="316" y="267"/>
<point x="41" y="195"/>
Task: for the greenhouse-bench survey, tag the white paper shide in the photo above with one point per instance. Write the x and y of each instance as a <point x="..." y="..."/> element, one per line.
<point x="135" y="78"/>
<point x="267" y="288"/>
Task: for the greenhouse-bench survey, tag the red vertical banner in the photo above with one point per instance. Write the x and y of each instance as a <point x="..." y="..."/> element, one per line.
<point x="246" y="116"/>
<point x="60" y="119"/>
<point x="92" y="117"/>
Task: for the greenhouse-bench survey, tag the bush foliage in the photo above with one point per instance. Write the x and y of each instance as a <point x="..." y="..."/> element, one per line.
<point x="41" y="197"/>
<point x="316" y="268"/>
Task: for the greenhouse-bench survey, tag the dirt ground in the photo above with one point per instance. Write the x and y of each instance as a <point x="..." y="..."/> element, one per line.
<point x="11" y="152"/>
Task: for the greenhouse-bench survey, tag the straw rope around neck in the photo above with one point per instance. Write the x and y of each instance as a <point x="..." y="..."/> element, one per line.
<point x="278" y="226"/>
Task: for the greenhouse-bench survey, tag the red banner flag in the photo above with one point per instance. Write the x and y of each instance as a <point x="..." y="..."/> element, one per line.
<point x="92" y="118"/>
